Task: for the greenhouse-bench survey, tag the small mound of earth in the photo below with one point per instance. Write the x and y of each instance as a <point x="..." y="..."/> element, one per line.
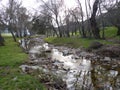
<point x="95" y="45"/>
<point x="109" y="50"/>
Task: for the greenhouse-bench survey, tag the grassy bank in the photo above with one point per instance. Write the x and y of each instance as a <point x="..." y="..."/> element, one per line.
<point x="110" y="33"/>
<point x="11" y="77"/>
<point x="73" y="42"/>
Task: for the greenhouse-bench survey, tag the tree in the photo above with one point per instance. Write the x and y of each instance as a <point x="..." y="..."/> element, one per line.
<point x="14" y="17"/>
<point x="113" y="12"/>
<point x="1" y="40"/>
<point x="53" y="7"/>
<point x="87" y="6"/>
<point x="102" y="21"/>
<point x="39" y="24"/>
<point x="82" y="17"/>
<point x="21" y="20"/>
<point x="94" y="27"/>
<point x="76" y="15"/>
<point x="45" y="21"/>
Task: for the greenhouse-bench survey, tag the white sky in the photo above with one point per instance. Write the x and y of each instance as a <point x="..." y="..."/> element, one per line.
<point x="30" y="4"/>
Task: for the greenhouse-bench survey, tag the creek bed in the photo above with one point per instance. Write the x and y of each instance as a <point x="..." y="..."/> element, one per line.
<point x="78" y="69"/>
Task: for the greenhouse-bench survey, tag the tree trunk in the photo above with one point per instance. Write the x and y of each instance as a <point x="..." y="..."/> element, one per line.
<point x="94" y="27"/>
<point x="1" y="40"/>
<point x="68" y="29"/>
<point x="118" y="32"/>
<point x="55" y="31"/>
<point x="88" y="21"/>
<point x="58" y="27"/>
<point x="102" y="22"/>
<point x="82" y="23"/>
<point x="12" y="33"/>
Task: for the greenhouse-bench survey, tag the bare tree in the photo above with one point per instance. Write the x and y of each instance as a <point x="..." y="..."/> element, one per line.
<point x="102" y="21"/>
<point x="82" y="17"/>
<point x="94" y="27"/>
<point x="1" y="38"/>
<point x="49" y="19"/>
<point x="88" y="8"/>
<point x="8" y="17"/>
<point x="113" y="12"/>
<point x="54" y="6"/>
<point x="76" y="15"/>
<point x="22" y="20"/>
<point x="14" y="18"/>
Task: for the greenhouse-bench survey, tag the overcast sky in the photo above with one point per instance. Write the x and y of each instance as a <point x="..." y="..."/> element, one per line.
<point x="33" y="4"/>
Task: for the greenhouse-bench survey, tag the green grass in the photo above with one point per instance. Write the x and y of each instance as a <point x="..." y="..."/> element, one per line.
<point x="11" y="77"/>
<point x="6" y="34"/>
<point x="110" y="32"/>
<point x="73" y="42"/>
<point x="11" y="54"/>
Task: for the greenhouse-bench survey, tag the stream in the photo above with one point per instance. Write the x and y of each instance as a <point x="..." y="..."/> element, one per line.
<point x="79" y="70"/>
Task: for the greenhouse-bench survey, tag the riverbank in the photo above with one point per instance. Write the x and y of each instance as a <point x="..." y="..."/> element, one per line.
<point x="11" y="77"/>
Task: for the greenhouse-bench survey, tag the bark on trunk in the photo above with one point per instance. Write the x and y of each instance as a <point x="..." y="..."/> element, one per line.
<point x="94" y="27"/>
<point x="12" y="34"/>
<point x="1" y="40"/>
<point x="118" y="32"/>
<point x="60" y="33"/>
<point x="82" y="23"/>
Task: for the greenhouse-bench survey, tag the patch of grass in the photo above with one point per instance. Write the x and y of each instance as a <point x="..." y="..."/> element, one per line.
<point x="11" y="77"/>
<point x="6" y="34"/>
<point x="110" y="32"/>
<point x="11" y="54"/>
<point x="73" y="42"/>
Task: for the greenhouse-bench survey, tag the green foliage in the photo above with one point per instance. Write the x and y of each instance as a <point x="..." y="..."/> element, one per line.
<point x="11" y="77"/>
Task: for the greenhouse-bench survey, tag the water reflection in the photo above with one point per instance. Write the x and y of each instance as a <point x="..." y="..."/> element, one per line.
<point x="83" y="75"/>
<point x="78" y="70"/>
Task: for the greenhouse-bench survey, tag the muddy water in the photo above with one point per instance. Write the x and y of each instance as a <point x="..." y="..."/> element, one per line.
<point x="78" y="72"/>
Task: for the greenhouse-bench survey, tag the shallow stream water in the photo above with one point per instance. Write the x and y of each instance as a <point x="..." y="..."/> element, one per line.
<point x="78" y="72"/>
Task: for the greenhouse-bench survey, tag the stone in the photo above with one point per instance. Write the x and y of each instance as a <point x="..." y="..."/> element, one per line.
<point x="65" y="52"/>
<point x="107" y="59"/>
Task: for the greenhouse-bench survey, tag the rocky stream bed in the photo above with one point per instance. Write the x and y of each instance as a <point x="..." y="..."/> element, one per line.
<point x="63" y="68"/>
